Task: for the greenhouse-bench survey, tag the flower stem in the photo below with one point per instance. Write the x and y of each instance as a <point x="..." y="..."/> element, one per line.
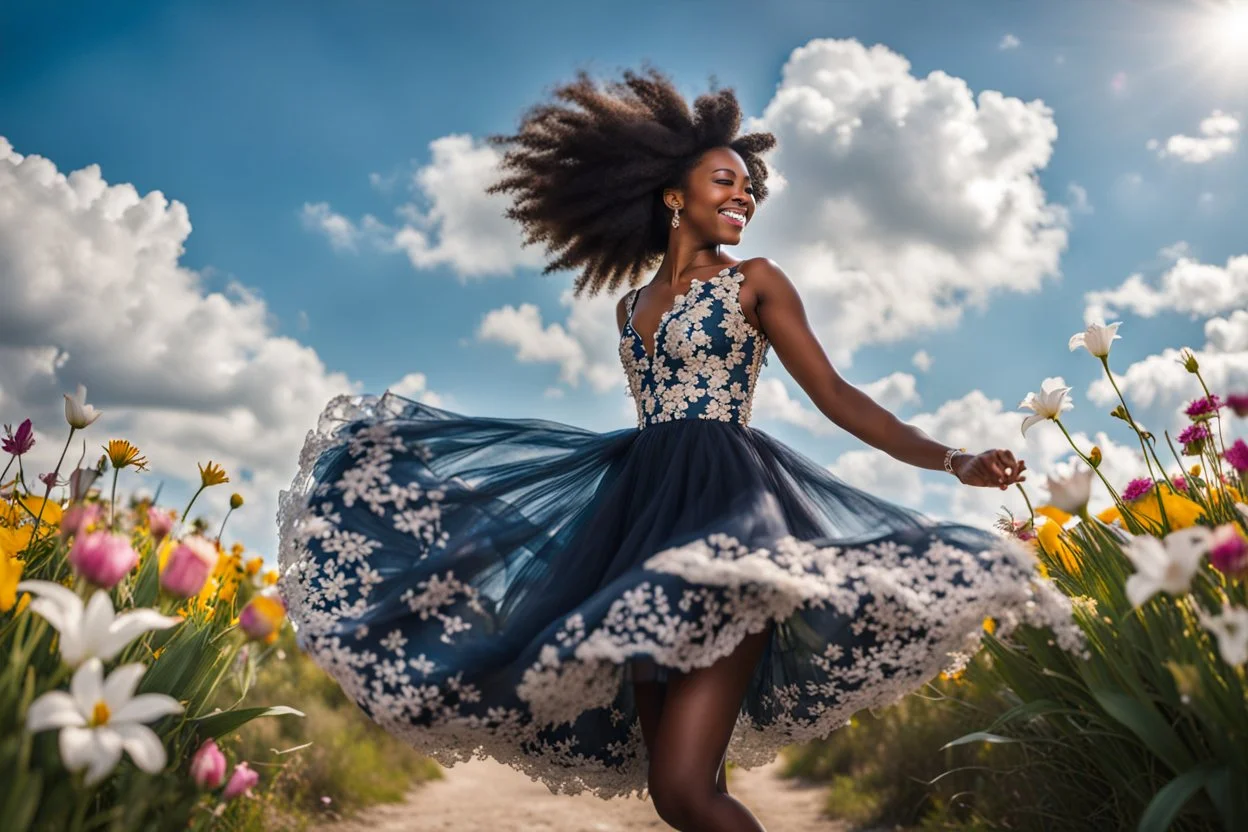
<point x="221" y="531"/>
<point x="1126" y="411"/>
<point x="1127" y="514"/>
<point x="1030" y="510"/>
<point x="48" y="492"/>
<point x="7" y="467"/>
<point x="112" y="503"/>
<point x="186" y="512"/>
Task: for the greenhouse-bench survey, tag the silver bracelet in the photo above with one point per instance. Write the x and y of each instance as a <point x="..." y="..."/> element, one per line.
<point x="949" y="455"/>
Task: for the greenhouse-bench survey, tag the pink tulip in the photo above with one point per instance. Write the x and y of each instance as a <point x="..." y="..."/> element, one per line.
<point x="1228" y="551"/>
<point x="208" y="766"/>
<point x="188" y="567"/>
<point x="262" y="617"/>
<point x="103" y="558"/>
<point x="160" y="522"/>
<point x="241" y="781"/>
<point x="78" y="518"/>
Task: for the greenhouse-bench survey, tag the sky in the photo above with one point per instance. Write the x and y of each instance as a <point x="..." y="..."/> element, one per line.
<point x="219" y="216"/>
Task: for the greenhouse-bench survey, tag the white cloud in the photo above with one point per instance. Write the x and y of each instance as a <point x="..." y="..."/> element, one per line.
<point x="415" y="386"/>
<point x="94" y="294"/>
<point x="922" y="361"/>
<point x="1189" y="286"/>
<point x="1219" y="136"/>
<point x="1078" y="199"/>
<point x="1009" y="42"/>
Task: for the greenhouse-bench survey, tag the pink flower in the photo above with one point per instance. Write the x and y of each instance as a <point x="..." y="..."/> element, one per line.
<point x="160" y="522"/>
<point x="262" y="617"/>
<point x="241" y="781"/>
<point x="20" y="442"/>
<point x="50" y="479"/>
<point x="1228" y="551"/>
<point x="1204" y="406"/>
<point x="208" y="766"/>
<point x="1237" y="456"/>
<point x="1238" y="402"/>
<point x="1137" y="488"/>
<point x="103" y="558"/>
<point x="1193" y="438"/>
<point x="78" y="518"/>
<point x="1179" y="482"/>
<point x="188" y="566"/>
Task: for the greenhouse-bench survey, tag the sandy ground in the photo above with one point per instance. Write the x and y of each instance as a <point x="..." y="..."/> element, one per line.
<point x="485" y="795"/>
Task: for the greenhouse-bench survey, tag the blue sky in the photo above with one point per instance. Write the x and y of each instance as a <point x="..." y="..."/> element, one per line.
<point x="248" y="113"/>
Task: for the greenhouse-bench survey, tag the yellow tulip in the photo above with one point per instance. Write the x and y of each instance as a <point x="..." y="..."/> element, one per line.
<point x="10" y="575"/>
<point x="15" y="540"/>
<point x="1050" y="539"/>
<point x="1054" y="513"/>
<point x="1180" y="511"/>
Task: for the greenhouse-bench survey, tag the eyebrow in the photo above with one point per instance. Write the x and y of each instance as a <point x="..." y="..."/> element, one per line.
<point x="730" y="170"/>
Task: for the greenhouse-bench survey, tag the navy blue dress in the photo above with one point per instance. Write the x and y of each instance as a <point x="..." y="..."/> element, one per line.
<point x="492" y="587"/>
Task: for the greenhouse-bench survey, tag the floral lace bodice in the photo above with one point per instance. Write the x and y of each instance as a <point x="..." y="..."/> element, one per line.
<point x="706" y="356"/>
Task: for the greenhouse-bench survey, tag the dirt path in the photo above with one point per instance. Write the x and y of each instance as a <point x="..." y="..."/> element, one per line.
<point x="485" y="795"/>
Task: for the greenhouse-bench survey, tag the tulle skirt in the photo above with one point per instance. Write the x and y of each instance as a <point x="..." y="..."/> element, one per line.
<point x="493" y="587"/>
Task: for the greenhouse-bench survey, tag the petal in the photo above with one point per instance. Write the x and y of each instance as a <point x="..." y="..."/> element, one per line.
<point x="1031" y="420"/>
<point x="143" y="746"/>
<point x="120" y="685"/>
<point x="1140" y="588"/>
<point x="1076" y="341"/>
<point x="55" y="709"/>
<point x="58" y="604"/>
<point x="76" y="745"/>
<point x="105" y="754"/>
<point x="96" y="622"/>
<point x="147" y="707"/>
<point x="130" y="625"/>
<point x="87" y="686"/>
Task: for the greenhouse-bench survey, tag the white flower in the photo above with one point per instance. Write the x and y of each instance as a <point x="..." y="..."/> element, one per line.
<point x="99" y="718"/>
<point x="1165" y="565"/>
<point x="1231" y="628"/>
<point x="1048" y="404"/>
<point x="92" y="631"/>
<point x="1070" y="491"/>
<point x="78" y="413"/>
<point x="1243" y="510"/>
<point x="1097" y="338"/>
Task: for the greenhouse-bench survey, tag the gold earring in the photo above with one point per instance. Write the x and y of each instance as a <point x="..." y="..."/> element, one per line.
<point x="676" y="217"/>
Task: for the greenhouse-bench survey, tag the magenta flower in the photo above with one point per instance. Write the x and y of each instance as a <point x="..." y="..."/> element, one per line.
<point x="1228" y="551"/>
<point x="160" y="522"/>
<point x="1237" y="456"/>
<point x="78" y="518"/>
<point x="208" y="766"/>
<point x="1203" y="407"/>
<point x="1179" y="482"/>
<point x="103" y="558"/>
<point x="20" y="442"/>
<point x="1238" y="402"/>
<point x="50" y="479"/>
<point x="188" y="567"/>
<point x="241" y="781"/>
<point x="1137" y="488"/>
<point x="1193" y="438"/>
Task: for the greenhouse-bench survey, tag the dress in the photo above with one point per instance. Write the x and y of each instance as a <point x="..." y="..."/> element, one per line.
<point x="491" y="586"/>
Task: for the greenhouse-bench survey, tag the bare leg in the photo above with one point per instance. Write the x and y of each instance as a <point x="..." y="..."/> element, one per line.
<point x="699" y="713"/>
<point x="649" y="699"/>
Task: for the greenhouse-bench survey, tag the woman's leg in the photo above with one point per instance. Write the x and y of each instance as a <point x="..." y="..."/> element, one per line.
<point x="648" y="697"/>
<point x="687" y="751"/>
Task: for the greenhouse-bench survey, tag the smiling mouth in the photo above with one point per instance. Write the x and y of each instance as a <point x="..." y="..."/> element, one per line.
<point x="734" y="219"/>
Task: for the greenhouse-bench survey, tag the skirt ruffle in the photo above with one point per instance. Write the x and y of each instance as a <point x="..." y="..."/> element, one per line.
<point x="492" y="587"/>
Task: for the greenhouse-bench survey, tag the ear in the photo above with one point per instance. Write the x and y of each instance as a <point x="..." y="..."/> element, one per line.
<point x="672" y="198"/>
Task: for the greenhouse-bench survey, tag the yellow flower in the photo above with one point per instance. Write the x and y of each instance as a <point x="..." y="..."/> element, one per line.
<point x="1109" y="515"/>
<point x="1180" y="511"/>
<point x="122" y="454"/>
<point x="1195" y="470"/>
<point x="1095" y="456"/>
<point x="270" y="577"/>
<point x="990" y="625"/>
<point x="29" y="508"/>
<point x="1049" y="536"/>
<point x="236" y="500"/>
<point x="10" y="574"/>
<point x="16" y="540"/>
<point x="212" y="474"/>
<point x="1054" y="513"/>
<point x="237" y="550"/>
<point x="253" y="565"/>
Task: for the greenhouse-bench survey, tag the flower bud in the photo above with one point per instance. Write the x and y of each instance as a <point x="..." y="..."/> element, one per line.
<point x="236" y="500"/>
<point x="188" y="567"/>
<point x="78" y="518"/>
<point x="160" y="522"/>
<point x="208" y="766"/>
<point x="241" y="781"/>
<point x="1119" y="412"/>
<point x="1188" y="359"/>
<point x="103" y="558"/>
<point x="1095" y="456"/>
<point x="262" y="617"/>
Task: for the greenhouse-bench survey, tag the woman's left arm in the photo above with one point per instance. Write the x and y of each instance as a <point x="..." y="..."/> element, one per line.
<point x="783" y="317"/>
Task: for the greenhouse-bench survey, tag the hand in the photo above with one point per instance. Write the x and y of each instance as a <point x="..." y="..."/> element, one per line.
<point x="991" y="468"/>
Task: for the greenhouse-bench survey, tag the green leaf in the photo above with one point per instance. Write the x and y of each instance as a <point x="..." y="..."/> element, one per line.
<point x="1171" y="798"/>
<point x="220" y="724"/>
<point x="977" y="736"/>
<point x="1147" y="725"/>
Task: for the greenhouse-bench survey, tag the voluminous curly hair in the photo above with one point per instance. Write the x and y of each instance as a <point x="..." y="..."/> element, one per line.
<point x="589" y="182"/>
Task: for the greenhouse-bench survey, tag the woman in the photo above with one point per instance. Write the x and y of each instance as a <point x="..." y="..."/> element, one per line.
<point x="621" y="612"/>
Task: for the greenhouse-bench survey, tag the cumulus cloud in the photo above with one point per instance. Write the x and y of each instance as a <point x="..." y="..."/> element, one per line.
<point x="94" y="293"/>
<point x="1219" y="135"/>
<point x="921" y="361"/>
<point x="1189" y="286"/>
<point x="1009" y="41"/>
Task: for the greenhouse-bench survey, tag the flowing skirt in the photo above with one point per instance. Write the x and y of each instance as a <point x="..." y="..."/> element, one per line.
<point x="493" y="587"/>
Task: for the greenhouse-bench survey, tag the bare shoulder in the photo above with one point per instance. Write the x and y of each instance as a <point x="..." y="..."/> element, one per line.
<point x="764" y="277"/>
<point x="621" y="310"/>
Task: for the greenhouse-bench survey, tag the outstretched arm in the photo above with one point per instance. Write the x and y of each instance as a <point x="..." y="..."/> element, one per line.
<point x="783" y="317"/>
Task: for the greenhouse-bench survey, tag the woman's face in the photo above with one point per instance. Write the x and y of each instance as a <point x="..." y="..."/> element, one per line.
<point x="718" y="199"/>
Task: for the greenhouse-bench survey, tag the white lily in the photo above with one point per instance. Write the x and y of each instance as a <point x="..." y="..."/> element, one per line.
<point x="1070" y="491"/>
<point x="99" y="718"/>
<point x="92" y="630"/>
<point x="1231" y="628"/>
<point x="1047" y="404"/>
<point x="1096" y="339"/>
<point x="78" y="413"/>
<point x="1165" y="565"/>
